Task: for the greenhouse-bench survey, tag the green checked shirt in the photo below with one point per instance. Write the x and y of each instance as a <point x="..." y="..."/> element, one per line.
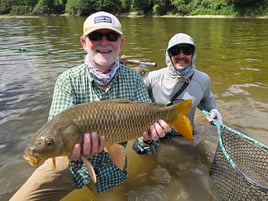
<point x="76" y="86"/>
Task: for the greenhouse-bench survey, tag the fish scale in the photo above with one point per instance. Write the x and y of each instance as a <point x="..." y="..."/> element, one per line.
<point x="119" y="120"/>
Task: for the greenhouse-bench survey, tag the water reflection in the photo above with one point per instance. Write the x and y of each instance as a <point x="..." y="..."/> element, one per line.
<point x="227" y="49"/>
<point x="157" y="193"/>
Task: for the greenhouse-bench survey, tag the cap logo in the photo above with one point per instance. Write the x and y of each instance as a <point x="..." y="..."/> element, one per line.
<point x="101" y="19"/>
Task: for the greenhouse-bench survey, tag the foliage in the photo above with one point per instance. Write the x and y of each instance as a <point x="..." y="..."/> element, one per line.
<point x="20" y="10"/>
<point x="248" y="3"/>
<point x="126" y="5"/>
<point x="85" y="7"/>
<point x="6" y="5"/>
<point x="144" y="5"/>
<point x="155" y="7"/>
<point x="162" y="7"/>
<point x="181" y="6"/>
<point x="43" y="7"/>
<point x="250" y="7"/>
<point x="108" y="5"/>
<point x="80" y="7"/>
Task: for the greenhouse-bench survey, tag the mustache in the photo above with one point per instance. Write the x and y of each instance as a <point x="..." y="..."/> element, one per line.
<point x="101" y="48"/>
<point x="182" y="59"/>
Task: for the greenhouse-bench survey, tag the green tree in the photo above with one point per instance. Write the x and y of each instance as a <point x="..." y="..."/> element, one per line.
<point x="181" y="6"/>
<point x="158" y="7"/>
<point x="31" y="3"/>
<point x="112" y="6"/>
<point x="161" y="7"/>
<point x="248" y="3"/>
<point x="43" y="7"/>
<point x="59" y="6"/>
<point x="86" y="7"/>
<point x="80" y="7"/>
<point x="5" y="5"/>
<point x="126" y="5"/>
<point x="250" y="7"/>
<point x="144" y="5"/>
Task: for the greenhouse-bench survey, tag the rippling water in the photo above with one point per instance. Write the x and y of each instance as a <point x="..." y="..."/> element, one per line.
<point x="232" y="51"/>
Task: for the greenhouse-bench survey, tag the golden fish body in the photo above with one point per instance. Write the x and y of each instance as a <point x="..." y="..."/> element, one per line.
<point x="119" y="120"/>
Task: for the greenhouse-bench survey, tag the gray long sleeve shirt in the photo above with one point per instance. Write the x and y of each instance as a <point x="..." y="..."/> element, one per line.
<point x="163" y="84"/>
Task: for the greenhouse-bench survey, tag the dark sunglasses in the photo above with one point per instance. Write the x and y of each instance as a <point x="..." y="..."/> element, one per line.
<point x="186" y="50"/>
<point x="97" y="36"/>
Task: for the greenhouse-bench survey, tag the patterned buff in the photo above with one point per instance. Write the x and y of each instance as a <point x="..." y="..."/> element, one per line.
<point x="99" y="77"/>
<point x="184" y="71"/>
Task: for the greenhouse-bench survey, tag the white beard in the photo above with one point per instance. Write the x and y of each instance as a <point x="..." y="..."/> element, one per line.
<point x="103" y="59"/>
<point x="106" y="60"/>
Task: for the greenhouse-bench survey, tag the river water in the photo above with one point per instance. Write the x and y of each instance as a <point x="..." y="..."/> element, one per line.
<point x="232" y="51"/>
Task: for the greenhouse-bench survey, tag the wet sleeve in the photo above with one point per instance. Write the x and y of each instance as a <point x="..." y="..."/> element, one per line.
<point x="208" y="101"/>
<point x="80" y="173"/>
<point x="142" y="147"/>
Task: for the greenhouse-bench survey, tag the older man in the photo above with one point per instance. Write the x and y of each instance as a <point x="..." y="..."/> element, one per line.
<point x="100" y="77"/>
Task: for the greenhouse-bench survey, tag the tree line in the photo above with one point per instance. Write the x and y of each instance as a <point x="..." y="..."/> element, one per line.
<point x="142" y="7"/>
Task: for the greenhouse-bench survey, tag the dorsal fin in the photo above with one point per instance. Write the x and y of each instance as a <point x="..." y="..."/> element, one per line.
<point x="120" y="100"/>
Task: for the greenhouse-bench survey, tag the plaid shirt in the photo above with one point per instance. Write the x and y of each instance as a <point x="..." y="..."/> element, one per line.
<point x="76" y="86"/>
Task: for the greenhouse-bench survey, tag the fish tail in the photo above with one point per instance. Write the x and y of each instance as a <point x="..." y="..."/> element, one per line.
<point x="182" y="123"/>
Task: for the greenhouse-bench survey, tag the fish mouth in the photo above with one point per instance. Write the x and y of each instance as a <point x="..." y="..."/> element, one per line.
<point x="33" y="160"/>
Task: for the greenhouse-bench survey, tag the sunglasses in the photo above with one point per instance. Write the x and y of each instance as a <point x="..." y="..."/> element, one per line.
<point x="186" y="50"/>
<point x="97" y="36"/>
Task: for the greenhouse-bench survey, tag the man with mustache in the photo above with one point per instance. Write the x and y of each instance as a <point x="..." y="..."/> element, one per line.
<point x="180" y="80"/>
<point x="100" y="77"/>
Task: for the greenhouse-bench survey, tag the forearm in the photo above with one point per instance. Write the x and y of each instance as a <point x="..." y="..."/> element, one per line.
<point x="209" y="102"/>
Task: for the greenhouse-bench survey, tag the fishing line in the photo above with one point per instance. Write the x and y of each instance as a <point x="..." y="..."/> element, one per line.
<point x="35" y="75"/>
<point x="123" y="59"/>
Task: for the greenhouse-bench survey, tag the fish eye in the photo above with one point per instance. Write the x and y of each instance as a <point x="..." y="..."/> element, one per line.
<point x="49" y="141"/>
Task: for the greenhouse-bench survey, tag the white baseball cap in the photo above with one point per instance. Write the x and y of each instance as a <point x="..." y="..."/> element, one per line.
<point x="180" y="39"/>
<point x="101" y="20"/>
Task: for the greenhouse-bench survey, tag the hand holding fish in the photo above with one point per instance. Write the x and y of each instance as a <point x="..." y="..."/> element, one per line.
<point x="92" y="145"/>
<point x="157" y="130"/>
<point x="119" y="120"/>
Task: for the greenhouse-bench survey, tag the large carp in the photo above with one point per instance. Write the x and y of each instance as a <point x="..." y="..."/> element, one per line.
<point x="119" y="120"/>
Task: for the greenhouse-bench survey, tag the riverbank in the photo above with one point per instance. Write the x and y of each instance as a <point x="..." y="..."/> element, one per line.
<point x="18" y="16"/>
<point x="212" y="16"/>
<point x="135" y="14"/>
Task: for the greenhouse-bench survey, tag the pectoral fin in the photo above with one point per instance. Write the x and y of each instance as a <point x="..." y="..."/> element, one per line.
<point x="54" y="163"/>
<point x="90" y="169"/>
<point x="118" y="154"/>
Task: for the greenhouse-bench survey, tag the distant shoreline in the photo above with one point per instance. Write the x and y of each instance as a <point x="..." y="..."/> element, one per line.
<point x="212" y="16"/>
<point x="134" y="14"/>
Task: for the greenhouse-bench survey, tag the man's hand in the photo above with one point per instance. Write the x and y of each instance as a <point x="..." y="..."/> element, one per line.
<point x="214" y="113"/>
<point x="92" y="145"/>
<point x="157" y="130"/>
